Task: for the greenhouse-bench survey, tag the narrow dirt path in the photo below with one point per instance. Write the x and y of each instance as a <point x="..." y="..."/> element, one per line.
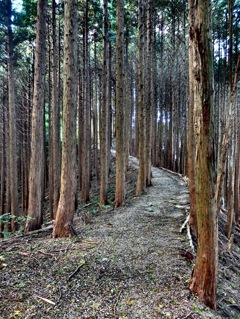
<point x="130" y="265"/>
<point x="140" y="267"/>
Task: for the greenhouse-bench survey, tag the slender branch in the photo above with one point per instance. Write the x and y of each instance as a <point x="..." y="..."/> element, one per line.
<point x="76" y="270"/>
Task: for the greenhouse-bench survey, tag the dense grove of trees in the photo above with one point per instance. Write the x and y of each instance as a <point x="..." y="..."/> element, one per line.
<point x="155" y="79"/>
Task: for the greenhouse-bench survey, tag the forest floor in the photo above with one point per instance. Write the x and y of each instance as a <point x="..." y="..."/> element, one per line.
<point x="131" y="262"/>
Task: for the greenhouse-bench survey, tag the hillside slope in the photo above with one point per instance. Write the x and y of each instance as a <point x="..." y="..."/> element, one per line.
<point x="131" y="262"/>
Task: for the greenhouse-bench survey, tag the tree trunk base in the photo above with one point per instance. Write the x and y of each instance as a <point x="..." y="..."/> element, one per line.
<point x="66" y="231"/>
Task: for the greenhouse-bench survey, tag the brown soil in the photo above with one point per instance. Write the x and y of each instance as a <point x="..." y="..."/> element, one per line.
<point x="132" y="262"/>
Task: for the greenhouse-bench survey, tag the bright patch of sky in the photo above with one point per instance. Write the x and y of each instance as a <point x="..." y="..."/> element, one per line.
<point x="17" y="5"/>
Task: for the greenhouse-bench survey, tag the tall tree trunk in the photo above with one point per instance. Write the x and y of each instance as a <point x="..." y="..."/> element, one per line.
<point x="12" y="122"/>
<point x="8" y="193"/>
<point x="204" y="276"/>
<point x="131" y="90"/>
<point x="110" y="117"/>
<point x="230" y="49"/>
<point x="225" y="138"/>
<point x="170" y="129"/>
<point x="80" y="129"/>
<point x="141" y="182"/>
<point x="230" y="187"/>
<point x="44" y="175"/>
<point x="86" y="115"/>
<point x="237" y="170"/>
<point x="55" y="116"/>
<point x="230" y="180"/>
<point x="149" y="95"/>
<point x="136" y="128"/>
<point x="185" y="153"/>
<point x="191" y="139"/>
<point x="120" y="143"/>
<point x="50" y="141"/>
<point x="27" y="141"/>
<point x="155" y="147"/>
<point x="34" y="220"/>
<point x="3" y="166"/>
<point x="66" y="206"/>
<point x="127" y="104"/>
<point x="104" y="139"/>
<point x="95" y="111"/>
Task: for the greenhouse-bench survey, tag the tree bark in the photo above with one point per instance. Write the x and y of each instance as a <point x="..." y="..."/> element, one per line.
<point x="3" y="166"/>
<point x="225" y="138"/>
<point x="120" y="143"/>
<point x="127" y="105"/>
<point x="237" y="170"/>
<point x="80" y="129"/>
<point x="86" y="115"/>
<point x="12" y="122"/>
<point x="95" y="111"/>
<point x="55" y="116"/>
<point x="231" y="168"/>
<point x="149" y="95"/>
<point x="141" y="182"/>
<point x="191" y="139"/>
<point x="204" y="277"/>
<point x="66" y="206"/>
<point x="34" y="220"/>
<point x="104" y="139"/>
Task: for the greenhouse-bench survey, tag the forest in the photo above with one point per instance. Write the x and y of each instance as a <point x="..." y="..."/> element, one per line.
<point x="88" y="85"/>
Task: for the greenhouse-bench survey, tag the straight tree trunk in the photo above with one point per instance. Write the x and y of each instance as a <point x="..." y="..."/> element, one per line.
<point x="170" y="130"/>
<point x="132" y="97"/>
<point x="3" y="166"/>
<point x="230" y="49"/>
<point x="8" y="193"/>
<point x="110" y="117"/>
<point x="44" y="175"/>
<point x="149" y="95"/>
<point x="55" y="116"/>
<point x="160" y="154"/>
<point x="80" y="128"/>
<point x="155" y="147"/>
<point x="230" y="198"/>
<point x="230" y="187"/>
<point x="95" y="111"/>
<point x="204" y="277"/>
<point x="104" y="111"/>
<point x="27" y="142"/>
<point x="225" y="138"/>
<point x="136" y="128"/>
<point x="127" y="104"/>
<point x="12" y="122"/>
<point x="120" y="143"/>
<point x="50" y="141"/>
<point x="34" y="220"/>
<point x="66" y="206"/>
<point x="236" y="182"/>
<point x="141" y="182"/>
<point x="191" y="139"/>
<point x="86" y="115"/>
<point x="185" y="153"/>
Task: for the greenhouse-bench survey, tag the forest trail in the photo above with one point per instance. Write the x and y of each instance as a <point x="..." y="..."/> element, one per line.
<point x="141" y="255"/>
<point x="131" y="263"/>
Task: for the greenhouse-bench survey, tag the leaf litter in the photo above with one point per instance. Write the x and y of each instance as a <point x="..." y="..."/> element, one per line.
<point x="132" y="262"/>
